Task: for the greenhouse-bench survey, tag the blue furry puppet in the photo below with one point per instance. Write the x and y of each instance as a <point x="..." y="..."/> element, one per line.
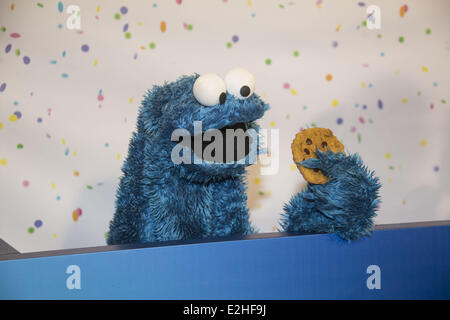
<point x="169" y="191"/>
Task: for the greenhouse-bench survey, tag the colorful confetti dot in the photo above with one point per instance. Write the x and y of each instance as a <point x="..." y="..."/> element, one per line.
<point x="76" y="173"/>
<point x="125" y="27"/>
<point x="152" y="45"/>
<point x="76" y="214"/>
<point x="436" y="168"/>
<point x="428" y="31"/>
<point x="235" y="38"/>
<point x="339" y="121"/>
<point x="401" y="39"/>
<point x="30" y="230"/>
<point x="286" y="85"/>
<point x="60" y="7"/>
<point x="25" y="183"/>
<point x="123" y="10"/>
<point x="13" y="118"/>
<point x="257" y="180"/>
<point x="20" y="146"/>
<point x="3" y="87"/>
<point x="229" y="44"/>
<point x="17" y="52"/>
<point x="388" y="155"/>
<point x="424" y="69"/>
<point x="334" y="102"/>
<point x="39" y="120"/>
<point x="85" y="48"/>
<point x="64" y="75"/>
<point x="380" y="104"/>
<point x="296" y="53"/>
<point x="268" y="61"/>
<point x="117" y="16"/>
<point x="26" y="60"/>
<point x="3" y="161"/>
<point x="40" y="5"/>
<point x="8" y="48"/>
<point x="162" y="26"/>
<point x="329" y="77"/>
<point x="335" y="44"/>
<point x="272" y="124"/>
<point x="188" y="26"/>
<point x="423" y="143"/>
<point x="127" y="35"/>
<point x="38" y="223"/>
<point x="15" y="35"/>
<point x="404" y="100"/>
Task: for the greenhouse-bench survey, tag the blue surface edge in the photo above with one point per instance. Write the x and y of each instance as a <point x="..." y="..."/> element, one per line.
<point x="413" y="263"/>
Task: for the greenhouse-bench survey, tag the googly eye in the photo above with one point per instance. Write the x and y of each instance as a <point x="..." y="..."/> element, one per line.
<point x="240" y="83"/>
<point x="210" y="90"/>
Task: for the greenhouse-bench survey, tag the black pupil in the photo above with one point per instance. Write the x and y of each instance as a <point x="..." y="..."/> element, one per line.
<point x="222" y="98"/>
<point x="245" y="91"/>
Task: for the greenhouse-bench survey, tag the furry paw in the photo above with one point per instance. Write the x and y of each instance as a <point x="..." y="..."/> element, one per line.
<point x="345" y="205"/>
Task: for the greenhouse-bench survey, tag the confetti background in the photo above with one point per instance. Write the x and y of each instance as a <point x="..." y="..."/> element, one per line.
<point x="69" y="99"/>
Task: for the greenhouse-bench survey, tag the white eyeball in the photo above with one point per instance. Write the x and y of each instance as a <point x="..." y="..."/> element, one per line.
<point x="240" y="83"/>
<point x="209" y="90"/>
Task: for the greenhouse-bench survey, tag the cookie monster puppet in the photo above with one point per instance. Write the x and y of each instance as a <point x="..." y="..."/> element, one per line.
<point x="161" y="199"/>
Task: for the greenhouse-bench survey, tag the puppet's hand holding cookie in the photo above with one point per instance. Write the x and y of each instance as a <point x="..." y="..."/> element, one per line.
<point x="341" y="196"/>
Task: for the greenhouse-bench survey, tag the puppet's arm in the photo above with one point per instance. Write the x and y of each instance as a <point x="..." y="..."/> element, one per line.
<point x="345" y="205"/>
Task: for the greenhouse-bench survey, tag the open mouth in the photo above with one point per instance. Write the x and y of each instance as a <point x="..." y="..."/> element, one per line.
<point x="234" y="145"/>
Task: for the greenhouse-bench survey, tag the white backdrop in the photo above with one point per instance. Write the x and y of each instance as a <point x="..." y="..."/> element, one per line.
<point x="67" y="111"/>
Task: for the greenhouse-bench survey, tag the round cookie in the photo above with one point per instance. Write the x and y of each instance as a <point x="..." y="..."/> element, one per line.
<point x="304" y="147"/>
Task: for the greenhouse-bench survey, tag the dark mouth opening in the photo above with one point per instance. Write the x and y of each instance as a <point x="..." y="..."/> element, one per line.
<point x="236" y="145"/>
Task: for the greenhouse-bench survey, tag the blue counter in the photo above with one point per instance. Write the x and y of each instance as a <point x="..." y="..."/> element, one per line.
<point x="403" y="262"/>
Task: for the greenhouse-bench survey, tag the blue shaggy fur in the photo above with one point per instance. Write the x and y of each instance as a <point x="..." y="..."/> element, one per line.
<point x="159" y="200"/>
<point x="345" y="205"/>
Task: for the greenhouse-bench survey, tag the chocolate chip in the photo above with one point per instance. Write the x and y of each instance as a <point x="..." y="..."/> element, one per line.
<point x="306" y="151"/>
<point x="324" y="144"/>
<point x="316" y="170"/>
<point x="308" y="141"/>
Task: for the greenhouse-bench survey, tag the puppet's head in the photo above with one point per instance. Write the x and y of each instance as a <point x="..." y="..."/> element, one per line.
<point x="181" y="120"/>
